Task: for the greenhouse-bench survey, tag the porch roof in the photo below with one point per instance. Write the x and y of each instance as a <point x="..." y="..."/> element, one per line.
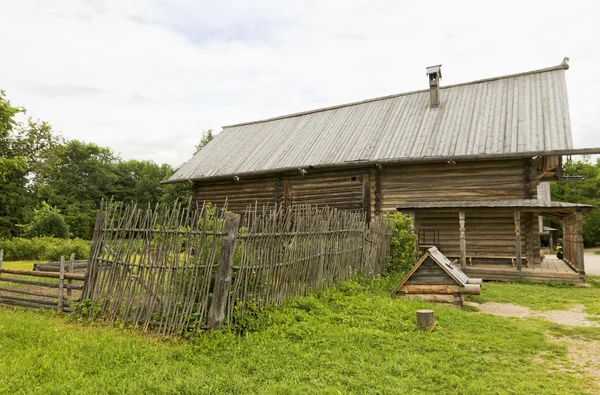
<point x="545" y="208"/>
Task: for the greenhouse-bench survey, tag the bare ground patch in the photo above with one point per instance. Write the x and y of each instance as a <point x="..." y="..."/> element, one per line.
<point x="583" y="357"/>
<point x="575" y="316"/>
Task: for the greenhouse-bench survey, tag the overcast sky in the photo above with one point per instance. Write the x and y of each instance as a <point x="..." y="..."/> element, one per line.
<point x="145" y="77"/>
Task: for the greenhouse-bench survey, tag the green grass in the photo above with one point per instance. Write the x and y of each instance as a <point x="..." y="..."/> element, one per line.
<point x="18" y="265"/>
<point x="543" y="296"/>
<point x="351" y="339"/>
<point x="597" y="252"/>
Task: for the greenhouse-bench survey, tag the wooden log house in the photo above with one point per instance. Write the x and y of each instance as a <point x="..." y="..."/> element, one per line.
<point x="464" y="161"/>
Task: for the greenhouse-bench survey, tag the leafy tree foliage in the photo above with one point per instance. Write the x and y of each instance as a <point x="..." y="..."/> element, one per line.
<point x="207" y="136"/>
<point x="403" y="251"/>
<point x="587" y="192"/>
<point x="38" y="166"/>
<point x="47" y="221"/>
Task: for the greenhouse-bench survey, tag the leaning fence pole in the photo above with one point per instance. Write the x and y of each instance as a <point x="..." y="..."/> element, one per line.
<point x="216" y="314"/>
<point x="69" y="281"/>
<point x="61" y="283"/>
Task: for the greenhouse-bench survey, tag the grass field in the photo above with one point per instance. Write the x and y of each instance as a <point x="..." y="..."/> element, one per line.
<point x="19" y="265"/>
<point x="351" y="339"/>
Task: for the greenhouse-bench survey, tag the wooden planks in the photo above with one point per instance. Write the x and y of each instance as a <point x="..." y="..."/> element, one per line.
<point x="179" y="269"/>
<point x="36" y="294"/>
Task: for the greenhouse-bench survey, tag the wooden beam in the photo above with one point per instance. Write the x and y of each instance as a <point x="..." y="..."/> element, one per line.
<point x="463" y="240"/>
<point x="518" y="239"/>
<point x="378" y="191"/>
<point x="216" y="314"/>
<point x="579" y="244"/>
<point x="366" y="200"/>
<point x="287" y="195"/>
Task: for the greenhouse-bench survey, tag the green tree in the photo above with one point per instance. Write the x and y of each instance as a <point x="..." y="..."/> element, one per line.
<point x="47" y="221"/>
<point x="139" y="181"/>
<point x="207" y="136"/>
<point x="586" y="192"/>
<point x="403" y="251"/>
<point x="16" y="197"/>
<point x="75" y="178"/>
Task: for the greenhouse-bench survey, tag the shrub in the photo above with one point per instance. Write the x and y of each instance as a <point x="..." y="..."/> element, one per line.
<point x="43" y="248"/>
<point x="47" y="221"/>
<point x="403" y="252"/>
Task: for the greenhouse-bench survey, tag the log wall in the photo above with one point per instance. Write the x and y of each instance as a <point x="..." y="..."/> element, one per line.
<point x="344" y="190"/>
<point x="491" y="180"/>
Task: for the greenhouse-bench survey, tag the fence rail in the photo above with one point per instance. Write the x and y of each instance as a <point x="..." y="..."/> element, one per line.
<point x="17" y="290"/>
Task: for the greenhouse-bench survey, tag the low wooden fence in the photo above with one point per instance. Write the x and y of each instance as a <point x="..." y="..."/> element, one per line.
<point x="179" y="269"/>
<point x="41" y="289"/>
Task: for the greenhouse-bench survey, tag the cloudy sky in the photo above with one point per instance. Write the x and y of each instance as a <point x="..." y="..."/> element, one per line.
<point x="145" y="77"/>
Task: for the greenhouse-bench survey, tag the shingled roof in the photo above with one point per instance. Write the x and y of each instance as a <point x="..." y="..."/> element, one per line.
<point x="514" y="114"/>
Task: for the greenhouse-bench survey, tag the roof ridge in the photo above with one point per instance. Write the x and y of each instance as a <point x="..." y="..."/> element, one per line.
<point x="564" y="65"/>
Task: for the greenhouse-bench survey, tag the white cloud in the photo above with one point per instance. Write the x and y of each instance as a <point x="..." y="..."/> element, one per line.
<point x="145" y="77"/>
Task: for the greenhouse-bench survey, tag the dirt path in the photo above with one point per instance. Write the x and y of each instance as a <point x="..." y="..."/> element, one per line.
<point x="575" y="316"/>
<point x="583" y="355"/>
<point x="592" y="261"/>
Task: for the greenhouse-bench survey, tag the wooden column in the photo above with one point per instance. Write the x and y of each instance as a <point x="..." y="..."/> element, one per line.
<point x="287" y="195"/>
<point x="412" y="216"/>
<point x="579" y="243"/>
<point x="367" y="197"/>
<point x="378" y="191"/>
<point x="518" y="240"/>
<point x="463" y="240"/>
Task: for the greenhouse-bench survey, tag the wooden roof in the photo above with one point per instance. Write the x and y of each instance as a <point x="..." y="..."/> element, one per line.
<point x="440" y="259"/>
<point x="518" y="114"/>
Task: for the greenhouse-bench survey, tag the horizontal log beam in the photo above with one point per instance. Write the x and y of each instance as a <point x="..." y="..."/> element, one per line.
<point x="68" y="276"/>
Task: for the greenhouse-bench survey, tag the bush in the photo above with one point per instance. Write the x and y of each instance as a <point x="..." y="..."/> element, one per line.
<point x="47" y="221"/>
<point x="403" y="251"/>
<point x="43" y="248"/>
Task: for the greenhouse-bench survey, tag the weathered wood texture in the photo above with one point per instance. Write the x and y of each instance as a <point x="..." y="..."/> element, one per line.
<point x="573" y="241"/>
<point x="426" y="320"/>
<point x="429" y="273"/>
<point x="489" y="235"/>
<point x="453" y="182"/>
<point x="162" y="270"/>
<point x="36" y="294"/>
<point x="343" y="189"/>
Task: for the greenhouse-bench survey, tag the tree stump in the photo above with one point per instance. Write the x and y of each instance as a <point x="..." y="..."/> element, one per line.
<point x="426" y="320"/>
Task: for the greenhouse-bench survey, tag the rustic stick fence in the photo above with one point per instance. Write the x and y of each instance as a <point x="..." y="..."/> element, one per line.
<point x="41" y="289"/>
<point x="178" y="269"/>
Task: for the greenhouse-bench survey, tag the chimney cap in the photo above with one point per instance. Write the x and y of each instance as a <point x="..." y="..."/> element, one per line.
<point x="437" y="69"/>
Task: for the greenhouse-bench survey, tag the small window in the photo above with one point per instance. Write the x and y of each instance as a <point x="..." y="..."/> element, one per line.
<point x="354" y="178"/>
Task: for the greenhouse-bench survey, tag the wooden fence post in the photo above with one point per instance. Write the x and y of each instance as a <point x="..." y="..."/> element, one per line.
<point x="61" y="283"/>
<point x="71" y="270"/>
<point x="91" y="273"/>
<point x="322" y="249"/>
<point x="216" y="314"/>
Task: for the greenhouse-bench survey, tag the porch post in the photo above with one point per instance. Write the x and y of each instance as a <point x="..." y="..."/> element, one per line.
<point x="412" y="216"/>
<point x="579" y="243"/>
<point x="518" y="239"/>
<point x="463" y="240"/>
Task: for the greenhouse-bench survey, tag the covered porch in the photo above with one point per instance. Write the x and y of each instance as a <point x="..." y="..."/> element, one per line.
<point x="499" y="239"/>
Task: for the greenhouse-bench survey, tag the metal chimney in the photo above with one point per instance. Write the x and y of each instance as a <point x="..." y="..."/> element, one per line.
<point x="435" y="75"/>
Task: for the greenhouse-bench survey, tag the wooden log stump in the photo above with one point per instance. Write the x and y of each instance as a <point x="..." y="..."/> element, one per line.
<point x="426" y="320"/>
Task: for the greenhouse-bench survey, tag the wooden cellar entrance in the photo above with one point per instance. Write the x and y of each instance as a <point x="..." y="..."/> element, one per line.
<point x="499" y="240"/>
